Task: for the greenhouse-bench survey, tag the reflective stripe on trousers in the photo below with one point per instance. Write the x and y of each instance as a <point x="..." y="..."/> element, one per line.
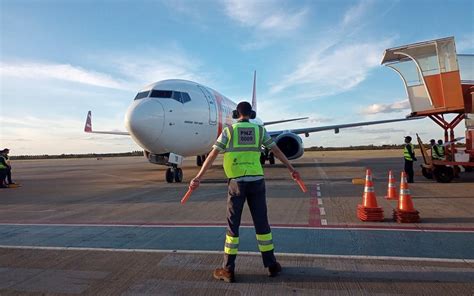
<point x="265" y="242"/>
<point x="231" y="245"/>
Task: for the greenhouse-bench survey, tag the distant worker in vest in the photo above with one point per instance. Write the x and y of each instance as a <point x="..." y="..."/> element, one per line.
<point x="437" y="151"/>
<point x="241" y="144"/>
<point x="9" y="166"/>
<point x="409" y="155"/>
<point x="441" y="149"/>
<point x="3" y="169"/>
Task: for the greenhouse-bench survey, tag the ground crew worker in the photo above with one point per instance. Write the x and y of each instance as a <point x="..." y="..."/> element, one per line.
<point x="241" y="144"/>
<point x="441" y="149"/>
<point x="409" y="155"/>
<point x="9" y="166"/>
<point x="437" y="151"/>
<point x="3" y="170"/>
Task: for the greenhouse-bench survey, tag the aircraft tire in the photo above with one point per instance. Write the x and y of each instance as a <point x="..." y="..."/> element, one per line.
<point x="169" y="175"/>
<point x="178" y="175"/>
<point x="199" y="161"/>
<point x="271" y="158"/>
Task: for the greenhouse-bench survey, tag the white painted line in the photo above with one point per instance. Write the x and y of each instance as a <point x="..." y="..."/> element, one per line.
<point x="318" y="193"/>
<point x="322" y="212"/>
<point x="357" y="257"/>
<point x="244" y="226"/>
<point x="320" y="201"/>
<point x="324" y="222"/>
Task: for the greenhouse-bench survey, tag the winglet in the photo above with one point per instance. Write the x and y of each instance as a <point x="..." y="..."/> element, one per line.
<point x="88" y="126"/>
<point x="254" y="92"/>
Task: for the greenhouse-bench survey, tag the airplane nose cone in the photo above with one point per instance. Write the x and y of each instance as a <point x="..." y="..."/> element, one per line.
<point x="144" y="121"/>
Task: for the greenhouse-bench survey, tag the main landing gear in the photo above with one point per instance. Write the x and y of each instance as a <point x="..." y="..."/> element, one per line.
<point x="200" y="160"/>
<point x="267" y="156"/>
<point x="174" y="174"/>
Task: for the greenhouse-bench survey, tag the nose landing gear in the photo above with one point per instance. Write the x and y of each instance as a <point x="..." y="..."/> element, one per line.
<point x="174" y="174"/>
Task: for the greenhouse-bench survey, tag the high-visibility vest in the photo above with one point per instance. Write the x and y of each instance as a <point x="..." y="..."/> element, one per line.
<point x="407" y="154"/>
<point x="440" y="150"/>
<point x="2" y="166"/>
<point x="243" y="150"/>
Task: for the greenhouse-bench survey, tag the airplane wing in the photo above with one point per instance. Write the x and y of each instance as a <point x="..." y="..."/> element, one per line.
<point x="88" y="128"/>
<point x="284" y="120"/>
<point x="336" y="127"/>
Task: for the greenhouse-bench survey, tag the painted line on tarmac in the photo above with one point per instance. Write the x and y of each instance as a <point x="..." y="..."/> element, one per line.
<point x="314" y="215"/>
<point x="249" y="225"/>
<point x="248" y="253"/>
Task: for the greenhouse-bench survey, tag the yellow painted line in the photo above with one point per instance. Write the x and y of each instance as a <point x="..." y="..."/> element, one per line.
<point x="358" y="181"/>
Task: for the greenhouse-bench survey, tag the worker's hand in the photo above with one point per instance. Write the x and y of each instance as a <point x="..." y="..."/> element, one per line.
<point x="194" y="183"/>
<point x="295" y="175"/>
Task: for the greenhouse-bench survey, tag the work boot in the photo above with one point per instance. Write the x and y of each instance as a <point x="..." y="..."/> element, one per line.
<point x="224" y="274"/>
<point x="274" y="270"/>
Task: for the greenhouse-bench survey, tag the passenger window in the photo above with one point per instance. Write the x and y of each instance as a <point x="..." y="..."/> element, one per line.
<point x="165" y="94"/>
<point x="142" y="95"/>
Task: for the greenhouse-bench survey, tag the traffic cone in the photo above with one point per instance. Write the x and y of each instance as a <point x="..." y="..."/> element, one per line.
<point x="369" y="210"/>
<point x="392" y="188"/>
<point x="405" y="212"/>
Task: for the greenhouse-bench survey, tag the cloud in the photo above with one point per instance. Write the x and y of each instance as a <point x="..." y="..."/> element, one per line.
<point x="266" y="15"/>
<point x="356" y="12"/>
<point x="331" y="70"/>
<point x="66" y="72"/>
<point x="387" y="108"/>
<point x="124" y="71"/>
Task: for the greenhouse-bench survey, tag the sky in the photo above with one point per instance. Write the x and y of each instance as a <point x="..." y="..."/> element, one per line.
<point x="59" y="59"/>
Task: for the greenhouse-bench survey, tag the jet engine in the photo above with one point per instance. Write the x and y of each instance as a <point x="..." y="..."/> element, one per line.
<point x="290" y="144"/>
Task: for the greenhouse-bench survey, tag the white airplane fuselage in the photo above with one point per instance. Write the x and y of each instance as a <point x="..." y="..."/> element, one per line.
<point x="178" y="116"/>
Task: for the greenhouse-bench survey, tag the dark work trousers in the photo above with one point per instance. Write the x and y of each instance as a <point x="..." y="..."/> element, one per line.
<point x="409" y="170"/>
<point x="3" y="174"/>
<point x="254" y="192"/>
<point x="9" y="175"/>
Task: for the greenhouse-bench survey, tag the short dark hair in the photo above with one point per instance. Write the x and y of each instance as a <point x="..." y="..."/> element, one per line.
<point x="244" y="108"/>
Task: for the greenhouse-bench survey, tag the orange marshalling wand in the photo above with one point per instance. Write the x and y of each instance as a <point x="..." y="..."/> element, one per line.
<point x="186" y="196"/>
<point x="301" y="183"/>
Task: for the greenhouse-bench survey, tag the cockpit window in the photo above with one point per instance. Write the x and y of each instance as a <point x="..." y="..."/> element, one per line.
<point x="165" y="94"/>
<point x="142" y="95"/>
<point x="181" y="97"/>
<point x="185" y="97"/>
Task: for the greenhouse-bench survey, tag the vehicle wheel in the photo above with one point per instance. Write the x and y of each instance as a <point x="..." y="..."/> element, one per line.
<point x="426" y="173"/>
<point x="263" y="158"/>
<point x="178" y="175"/>
<point x="272" y="158"/>
<point x="199" y="161"/>
<point x="169" y="175"/>
<point x="443" y="174"/>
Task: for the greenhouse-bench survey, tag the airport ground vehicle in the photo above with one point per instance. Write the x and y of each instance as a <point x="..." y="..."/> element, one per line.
<point x="439" y="84"/>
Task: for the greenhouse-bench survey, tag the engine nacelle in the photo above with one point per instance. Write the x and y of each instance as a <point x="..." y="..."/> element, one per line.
<point x="290" y="144"/>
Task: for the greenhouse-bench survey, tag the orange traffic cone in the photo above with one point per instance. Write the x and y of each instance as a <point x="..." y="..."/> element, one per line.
<point x="392" y="188"/>
<point x="405" y="212"/>
<point x="369" y="210"/>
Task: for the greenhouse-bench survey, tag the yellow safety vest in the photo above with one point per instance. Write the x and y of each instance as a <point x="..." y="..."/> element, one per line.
<point x="243" y="150"/>
<point x="406" y="154"/>
<point x="440" y="150"/>
<point x="2" y="166"/>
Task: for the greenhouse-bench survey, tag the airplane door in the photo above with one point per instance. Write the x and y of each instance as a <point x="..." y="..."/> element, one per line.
<point x="211" y="101"/>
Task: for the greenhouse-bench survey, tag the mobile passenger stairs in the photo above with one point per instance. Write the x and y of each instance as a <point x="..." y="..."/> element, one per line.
<point x="439" y="82"/>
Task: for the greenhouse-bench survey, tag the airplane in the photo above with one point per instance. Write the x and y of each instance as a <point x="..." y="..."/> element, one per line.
<point x="173" y="119"/>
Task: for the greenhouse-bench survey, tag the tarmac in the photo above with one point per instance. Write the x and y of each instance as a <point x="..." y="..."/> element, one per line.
<point x="113" y="226"/>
